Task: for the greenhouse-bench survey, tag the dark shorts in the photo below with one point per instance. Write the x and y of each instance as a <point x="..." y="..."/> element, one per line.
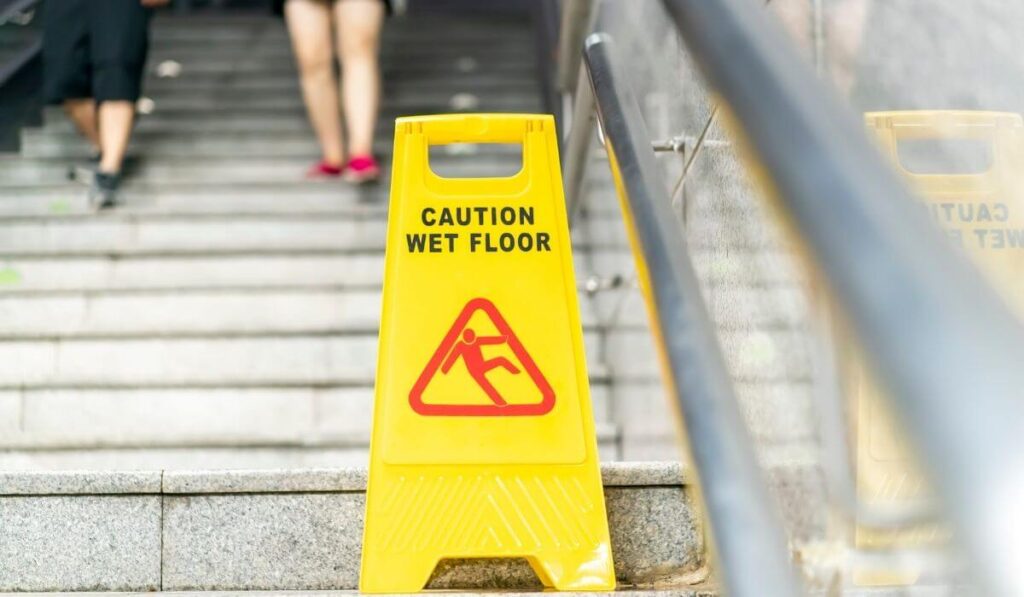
<point x="94" y="49"/>
<point x="278" y="6"/>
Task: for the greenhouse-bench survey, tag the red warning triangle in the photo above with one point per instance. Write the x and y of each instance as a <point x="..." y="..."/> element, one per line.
<point x="461" y="343"/>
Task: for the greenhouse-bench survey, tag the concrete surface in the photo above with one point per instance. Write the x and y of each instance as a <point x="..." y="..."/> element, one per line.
<point x="281" y="530"/>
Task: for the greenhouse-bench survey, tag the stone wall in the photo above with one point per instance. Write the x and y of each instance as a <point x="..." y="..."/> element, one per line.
<point x="279" y="530"/>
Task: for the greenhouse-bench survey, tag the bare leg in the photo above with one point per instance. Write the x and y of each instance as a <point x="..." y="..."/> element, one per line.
<point x="309" y="25"/>
<point x="82" y="112"/>
<point x="358" y="24"/>
<point x="115" y="120"/>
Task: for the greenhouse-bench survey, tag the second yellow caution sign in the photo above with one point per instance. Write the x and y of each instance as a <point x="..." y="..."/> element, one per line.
<point x="483" y="439"/>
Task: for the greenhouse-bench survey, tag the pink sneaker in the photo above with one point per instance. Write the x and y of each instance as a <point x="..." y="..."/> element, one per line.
<point x="361" y="169"/>
<point x="323" y="169"/>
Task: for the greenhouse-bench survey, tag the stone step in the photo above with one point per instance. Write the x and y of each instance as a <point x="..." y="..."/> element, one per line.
<point x="316" y="419"/>
<point x="192" y="272"/>
<point x="185" y="198"/>
<point x="391" y="65"/>
<point x="48" y="143"/>
<point x="204" y="111"/>
<point x="270" y="360"/>
<point x="643" y="592"/>
<point x="124" y="235"/>
<point x="166" y="34"/>
<point x="455" y="75"/>
<point x="317" y="270"/>
<point x="280" y="530"/>
<point x="17" y="171"/>
<point x="185" y="452"/>
<point x="290" y="101"/>
<point x="222" y="312"/>
<point x="183" y="457"/>
<point x="127" y="234"/>
<point x="475" y="80"/>
<point x="269" y="120"/>
<point x="395" y="48"/>
<point x="441" y="75"/>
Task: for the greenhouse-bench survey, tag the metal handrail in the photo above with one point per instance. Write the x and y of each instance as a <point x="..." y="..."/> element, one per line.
<point x="940" y="338"/>
<point x="747" y="535"/>
<point x="11" y="14"/>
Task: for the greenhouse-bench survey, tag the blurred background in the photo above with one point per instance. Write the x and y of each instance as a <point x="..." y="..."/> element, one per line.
<point x="225" y="316"/>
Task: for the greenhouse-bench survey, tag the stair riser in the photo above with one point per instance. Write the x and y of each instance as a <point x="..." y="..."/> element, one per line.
<point x="285" y="120"/>
<point x="391" y="66"/>
<point x="48" y="144"/>
<point x="301" y="531"/>
<point x="256" y="271"/>
<point x="329" y="311"/>
<point x="81" y="273"/>
<point x="422" y="49"/>
<point x="27" y="171"/>
<point x="167" y="124"/>
<point x="423" y="32"/>
<point x="324" y="419"/>
<point x="159" y="236"/>
<point x="156" y="86"/>
<point x="251" y="456"/>
<point x="162" y="38"/>
<point x="291" y="101"/>
<point x="270" y="360"/>
<point x="199" y="109"/>
<point x="221" y="313"/>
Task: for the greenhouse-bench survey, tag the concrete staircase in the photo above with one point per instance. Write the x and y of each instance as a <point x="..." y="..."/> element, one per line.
<point x="226" y="317"/>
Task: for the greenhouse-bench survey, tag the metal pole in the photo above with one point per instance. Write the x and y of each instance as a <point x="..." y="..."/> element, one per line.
<point x="748" y="538"/>
<point x="946" y="346"/>
<point x="577" y="150"/>
<point x="577" y="16"/>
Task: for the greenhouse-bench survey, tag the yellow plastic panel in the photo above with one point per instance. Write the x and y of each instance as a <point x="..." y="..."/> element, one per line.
<point x="483" y="440"/>
<point x="981" y="215"/>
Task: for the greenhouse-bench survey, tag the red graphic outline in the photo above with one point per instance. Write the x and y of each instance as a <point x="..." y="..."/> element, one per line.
<point x="481" y="410"/>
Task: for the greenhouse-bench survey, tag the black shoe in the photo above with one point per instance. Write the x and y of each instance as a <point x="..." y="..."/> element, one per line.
<point x="84" y="172"/>
<point x="103" y="190"/>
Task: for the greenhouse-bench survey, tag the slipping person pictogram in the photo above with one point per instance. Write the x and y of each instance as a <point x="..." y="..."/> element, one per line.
<point x="470" y="348"/>
<point x="464" y="342"/>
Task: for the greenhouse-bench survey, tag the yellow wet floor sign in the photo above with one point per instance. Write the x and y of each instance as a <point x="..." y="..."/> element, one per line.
<point x="483" y="440"/>
<point x="972" y="196"/>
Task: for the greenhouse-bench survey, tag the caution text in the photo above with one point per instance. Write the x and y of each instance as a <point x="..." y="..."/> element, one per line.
<point x="506" y="230"/>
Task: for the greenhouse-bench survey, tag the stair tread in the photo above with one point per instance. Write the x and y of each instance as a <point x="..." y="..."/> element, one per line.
<point x="176" y="312"/>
